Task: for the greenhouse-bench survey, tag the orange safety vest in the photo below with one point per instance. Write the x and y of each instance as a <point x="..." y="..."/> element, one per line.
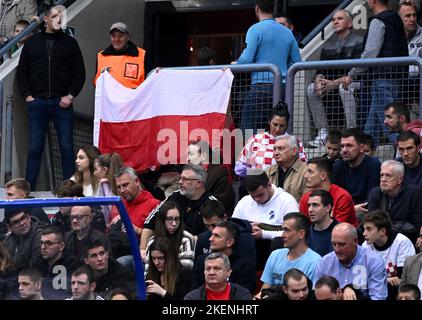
<point x="128" y="70"/>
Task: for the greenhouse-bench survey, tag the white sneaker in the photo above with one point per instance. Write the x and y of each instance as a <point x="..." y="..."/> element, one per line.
<point x="320" y="140"/>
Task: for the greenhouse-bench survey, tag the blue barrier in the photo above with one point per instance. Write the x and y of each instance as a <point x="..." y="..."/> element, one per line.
<point x="90" y="201"/>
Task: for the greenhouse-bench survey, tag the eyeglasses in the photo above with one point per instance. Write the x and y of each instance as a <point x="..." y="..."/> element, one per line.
<point x="187" y="179"/>
<point x="48" y="243"/>
<point x="78" y="217"/>
<point x="18" y="221"/>
<point x="171" y="219"/>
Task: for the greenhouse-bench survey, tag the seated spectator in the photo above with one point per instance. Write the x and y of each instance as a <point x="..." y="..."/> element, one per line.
<point x="137" y="201"/>
<point x="217" y="182"/>
<point x="258" y="152"/>
<point x="328" y="288"/>
<point x="224" y="238"/>
<point x="84" y="284"/>
<point x="345" y="43"/>
<point x="84" y="174"/>
<point x="356" y="172"/>
<point x="408" y="146"/>
<point x="120" y="294"/>
<point x="295" y="254"/>
<point x="369" y="145"/>
<point x="30" y="284"/>
<point x="109" y="274"/>
<point x="105" y="166"/>
<point x="23" y="242"/>
<point x="349" y="259"/>
<point x="217" y="286"/>
<point x="402" y="202"/>
<point x="71" y="189"/>
<point x="8" y="275"/>
<point x="264" y="207"/>
<point x="318" y="177"/>
<point x="170" y="225"/>
<point x="212" y="213"/>
<point x="288" y="171"/>
<point x="166" y="277"/>
<point x="296" y="286"/>
<point x="392" y="246"/>
<point x="320" y="204"/>
<point x="19" y="188"/>
<point x="55" y="262"/>
<point x="82" y="233"/>
<point x="412" y="270"/>
<point x="13" y="11"/>
<point x="191" y="196"/>
<point x="409" y="292"/>
<point x="333" y="146"/>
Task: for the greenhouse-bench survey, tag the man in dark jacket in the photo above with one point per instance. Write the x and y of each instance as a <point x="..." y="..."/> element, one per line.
<point x="23" y="242"/>
<point x="50" y="74"/>
<point x="223" y="239"/>
<point x="217" y="287"/>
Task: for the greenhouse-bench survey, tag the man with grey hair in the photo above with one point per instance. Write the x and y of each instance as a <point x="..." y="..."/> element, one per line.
<point x="289" y="171"/>
<point x="401" y="201"/>
<point x="190" y="197"/>
<point x="360" y="272"/>
<point x="344" y="44"/>
<point x="217" y="286"/>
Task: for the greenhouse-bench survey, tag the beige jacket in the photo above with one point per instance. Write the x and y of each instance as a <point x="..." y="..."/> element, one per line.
<point x="294" y="181"/>
<point x="18" y="10"/>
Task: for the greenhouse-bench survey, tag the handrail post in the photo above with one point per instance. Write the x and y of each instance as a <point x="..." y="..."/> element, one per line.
<point x="8" y="139"/>
<point x="1" y="116"/>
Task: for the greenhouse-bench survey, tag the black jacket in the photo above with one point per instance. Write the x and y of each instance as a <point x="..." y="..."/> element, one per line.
<point x="236" y="293"/>
<point x="117" y="276"/>
<point x="50" y="73"/>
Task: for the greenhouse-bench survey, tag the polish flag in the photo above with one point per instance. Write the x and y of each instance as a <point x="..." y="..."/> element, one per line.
<point x="153" y="124"/>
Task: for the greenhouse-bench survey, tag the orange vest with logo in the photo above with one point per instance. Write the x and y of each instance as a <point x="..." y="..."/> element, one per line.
<point x="128" y="70"/>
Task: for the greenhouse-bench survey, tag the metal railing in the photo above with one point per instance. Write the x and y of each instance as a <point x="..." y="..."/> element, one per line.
<point x="90" y="201"/>
<point x="403" y="75"/>
<point x="321" y="26"/>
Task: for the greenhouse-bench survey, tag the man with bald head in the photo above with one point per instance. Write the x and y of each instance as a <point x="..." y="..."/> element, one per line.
<point x="360" y="272"/>
<point x="82" y="233"/>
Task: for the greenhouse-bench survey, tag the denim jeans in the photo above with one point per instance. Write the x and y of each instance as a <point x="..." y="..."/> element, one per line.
<point x="383" y="92"/>
<point x="257" y="106"/>
<point x="40" y="111"/>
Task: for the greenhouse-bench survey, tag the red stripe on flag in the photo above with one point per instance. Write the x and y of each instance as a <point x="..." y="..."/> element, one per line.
<point x="138" y="141"/>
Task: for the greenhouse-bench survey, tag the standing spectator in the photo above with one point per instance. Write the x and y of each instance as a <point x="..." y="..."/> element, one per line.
<point x="385" y="38"/>
<point x="318" y="177"/>
<point x="217" y="183"/>
<point x="123" y="59"/>
<point x="344" y="44"/>
<point x="83" y="285"/>
<point x="266" y="42"/>
<point x="392" y="246"/>
<point x="30" y="284"/>
<point x="12" y="11"/>
<point x="206" y="56"/>
<point x="288" y="23"/>
<point x="84" y="174"/>
<point x="50" y="74"/>
<point x="217" y="285"/>
<point x="170" y="225"/>
<point x="360" y="272"/>
<point x="289" y="170"/>
<point x="357" y="173"/>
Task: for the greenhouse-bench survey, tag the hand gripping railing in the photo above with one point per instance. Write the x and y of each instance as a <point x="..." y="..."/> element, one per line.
<point x="90" y="201"/>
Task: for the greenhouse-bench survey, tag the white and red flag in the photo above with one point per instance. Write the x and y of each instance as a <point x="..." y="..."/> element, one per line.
<point x="154" y="123"/>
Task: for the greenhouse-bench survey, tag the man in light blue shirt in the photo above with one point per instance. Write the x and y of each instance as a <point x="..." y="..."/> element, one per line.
<point x="360" y="272"/>
<point x="266" y="42"/>
<point x="295" y="253"/>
